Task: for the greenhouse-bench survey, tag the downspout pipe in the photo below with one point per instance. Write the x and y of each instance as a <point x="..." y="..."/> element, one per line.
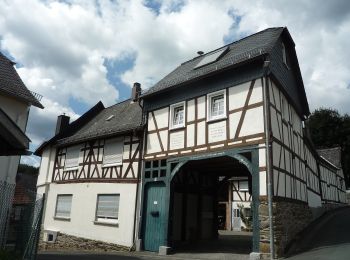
<point x="267" y="119"/>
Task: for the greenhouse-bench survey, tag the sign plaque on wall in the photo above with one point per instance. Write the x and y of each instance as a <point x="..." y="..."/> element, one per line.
<point x="217" y="132"/>
<point x="177" y="140"/>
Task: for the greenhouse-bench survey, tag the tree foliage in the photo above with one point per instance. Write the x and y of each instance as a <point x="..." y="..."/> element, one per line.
<point x="328" y="128"/>
<point x="28" y="169"/>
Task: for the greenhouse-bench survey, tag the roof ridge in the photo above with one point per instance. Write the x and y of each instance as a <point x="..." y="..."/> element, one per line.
<point x="118" y="103"/>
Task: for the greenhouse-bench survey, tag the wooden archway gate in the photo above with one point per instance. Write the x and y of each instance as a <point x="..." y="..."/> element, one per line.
<point x="173" y="165"/>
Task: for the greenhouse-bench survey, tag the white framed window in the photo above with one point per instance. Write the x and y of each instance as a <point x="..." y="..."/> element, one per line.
<point x="107" y="209"/>
<point x="243" y="186"/>
<point x="177" y="115"/>
<point x="113" y="152"/>
<point x="72" y="157"/>
<point x="63" y="206"/>
<point x="216" y="107"/>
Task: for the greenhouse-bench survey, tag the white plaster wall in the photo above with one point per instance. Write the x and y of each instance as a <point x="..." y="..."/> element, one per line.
<point x="46" y="166"/>
<point x="83" y="211"/>
<point x="253" y="122"/>
<point x="238" y="95"/>
<point x="18" y="112"/>
<point x="162" y="117"/>
<point x="201" y="107"/>
<point x="190" y="110"/>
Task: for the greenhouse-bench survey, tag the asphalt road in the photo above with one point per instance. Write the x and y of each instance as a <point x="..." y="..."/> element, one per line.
<point x="329" y="241"/>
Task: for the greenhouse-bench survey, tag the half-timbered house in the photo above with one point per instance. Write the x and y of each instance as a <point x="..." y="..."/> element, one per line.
<point x="236" y="112"/>
<point x="224" y="125"/>
<point x="89" y="173"/>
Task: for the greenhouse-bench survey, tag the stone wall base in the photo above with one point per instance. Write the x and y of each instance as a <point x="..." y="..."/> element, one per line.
<point x="66" y="242"/>
<point x="289" y="218"/>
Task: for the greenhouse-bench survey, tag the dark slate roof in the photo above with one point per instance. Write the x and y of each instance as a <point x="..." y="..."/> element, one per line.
<point x="333" y="155"/>
<point x="248" y="48"/>
<point x="12" y="85"/>
<point x="72" y="128"/>
<point x="127" y="116"/>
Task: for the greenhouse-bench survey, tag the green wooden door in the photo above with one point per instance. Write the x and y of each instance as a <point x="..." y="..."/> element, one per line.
<point x="153" y="216"/>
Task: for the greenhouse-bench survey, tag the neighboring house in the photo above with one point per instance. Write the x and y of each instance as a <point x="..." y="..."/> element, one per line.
<point x="90" y="172"/>
<point x="224" y="124"/>
<point x="15" y="102"/>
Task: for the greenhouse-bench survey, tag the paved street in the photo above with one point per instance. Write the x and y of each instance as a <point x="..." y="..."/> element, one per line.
<point x="332" y="241"/>
<point x="329" y="240"/>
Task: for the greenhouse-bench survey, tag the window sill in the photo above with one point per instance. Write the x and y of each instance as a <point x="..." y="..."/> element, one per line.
<point x="111" y="165"/>
<point x="181" y="127"/>
<point x="213" y="120"/>
<point x="71" y="169"/>
<point x="103" y="223"/>
<point x="61" y="218"/>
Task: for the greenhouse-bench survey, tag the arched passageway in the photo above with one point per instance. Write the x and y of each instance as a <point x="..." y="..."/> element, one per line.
<point x="189" y="203"/>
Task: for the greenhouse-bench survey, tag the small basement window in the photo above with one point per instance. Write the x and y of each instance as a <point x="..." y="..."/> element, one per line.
<point x="63" y="206"/>
<point x="177" y="115"/>
<point x="113" y="152"/>
<point x="107" y="208"/>
<point x="217" y="105"/>
<point x="72" y="158"/>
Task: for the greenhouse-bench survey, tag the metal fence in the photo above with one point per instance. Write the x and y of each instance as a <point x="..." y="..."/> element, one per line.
<point x="6" y="196"/>
<point x="20" y="222"/>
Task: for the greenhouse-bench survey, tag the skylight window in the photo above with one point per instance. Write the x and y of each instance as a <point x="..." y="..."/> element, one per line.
<point x="211" y="57"/>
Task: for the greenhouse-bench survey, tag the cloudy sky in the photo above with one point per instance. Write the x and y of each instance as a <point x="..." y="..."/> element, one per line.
<point x="76" y="53"/>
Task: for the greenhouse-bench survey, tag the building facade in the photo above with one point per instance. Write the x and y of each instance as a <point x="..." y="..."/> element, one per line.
<point x="226" y="124"/>
<point x="89" y="174"/>
<point x="15" y="103"/>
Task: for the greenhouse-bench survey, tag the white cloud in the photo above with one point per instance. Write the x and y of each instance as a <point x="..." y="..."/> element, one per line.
<point x="62" y="45"/>
<point x="320" y="32"/>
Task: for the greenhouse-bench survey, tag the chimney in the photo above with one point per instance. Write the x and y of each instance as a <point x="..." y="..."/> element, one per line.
<point x="136" y="91"/>
<point x="62" y="123"/>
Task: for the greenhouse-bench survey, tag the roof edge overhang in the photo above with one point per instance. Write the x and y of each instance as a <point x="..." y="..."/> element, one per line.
<point x="35" y="103"/>
<point x="61" y="142"/>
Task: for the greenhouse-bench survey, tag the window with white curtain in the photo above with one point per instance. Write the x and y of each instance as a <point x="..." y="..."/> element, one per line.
<point x="72" y="157"/>
<point x="177" y="115"/>
<point x="113" y="152"/>
<point x="216" y="105"/>
<point x="63" y="205"/>
<point x="107" y="207"/>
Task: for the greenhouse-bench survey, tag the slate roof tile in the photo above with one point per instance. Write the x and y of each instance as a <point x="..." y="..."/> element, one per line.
<point x="12" y="85"/>
<point x="127" y="116"/>
<point x="244" y="49"/>
<point x="333" y="155"/>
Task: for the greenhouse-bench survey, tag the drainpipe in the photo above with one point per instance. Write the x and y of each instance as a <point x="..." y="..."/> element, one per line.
<point x="268" y="153"/>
